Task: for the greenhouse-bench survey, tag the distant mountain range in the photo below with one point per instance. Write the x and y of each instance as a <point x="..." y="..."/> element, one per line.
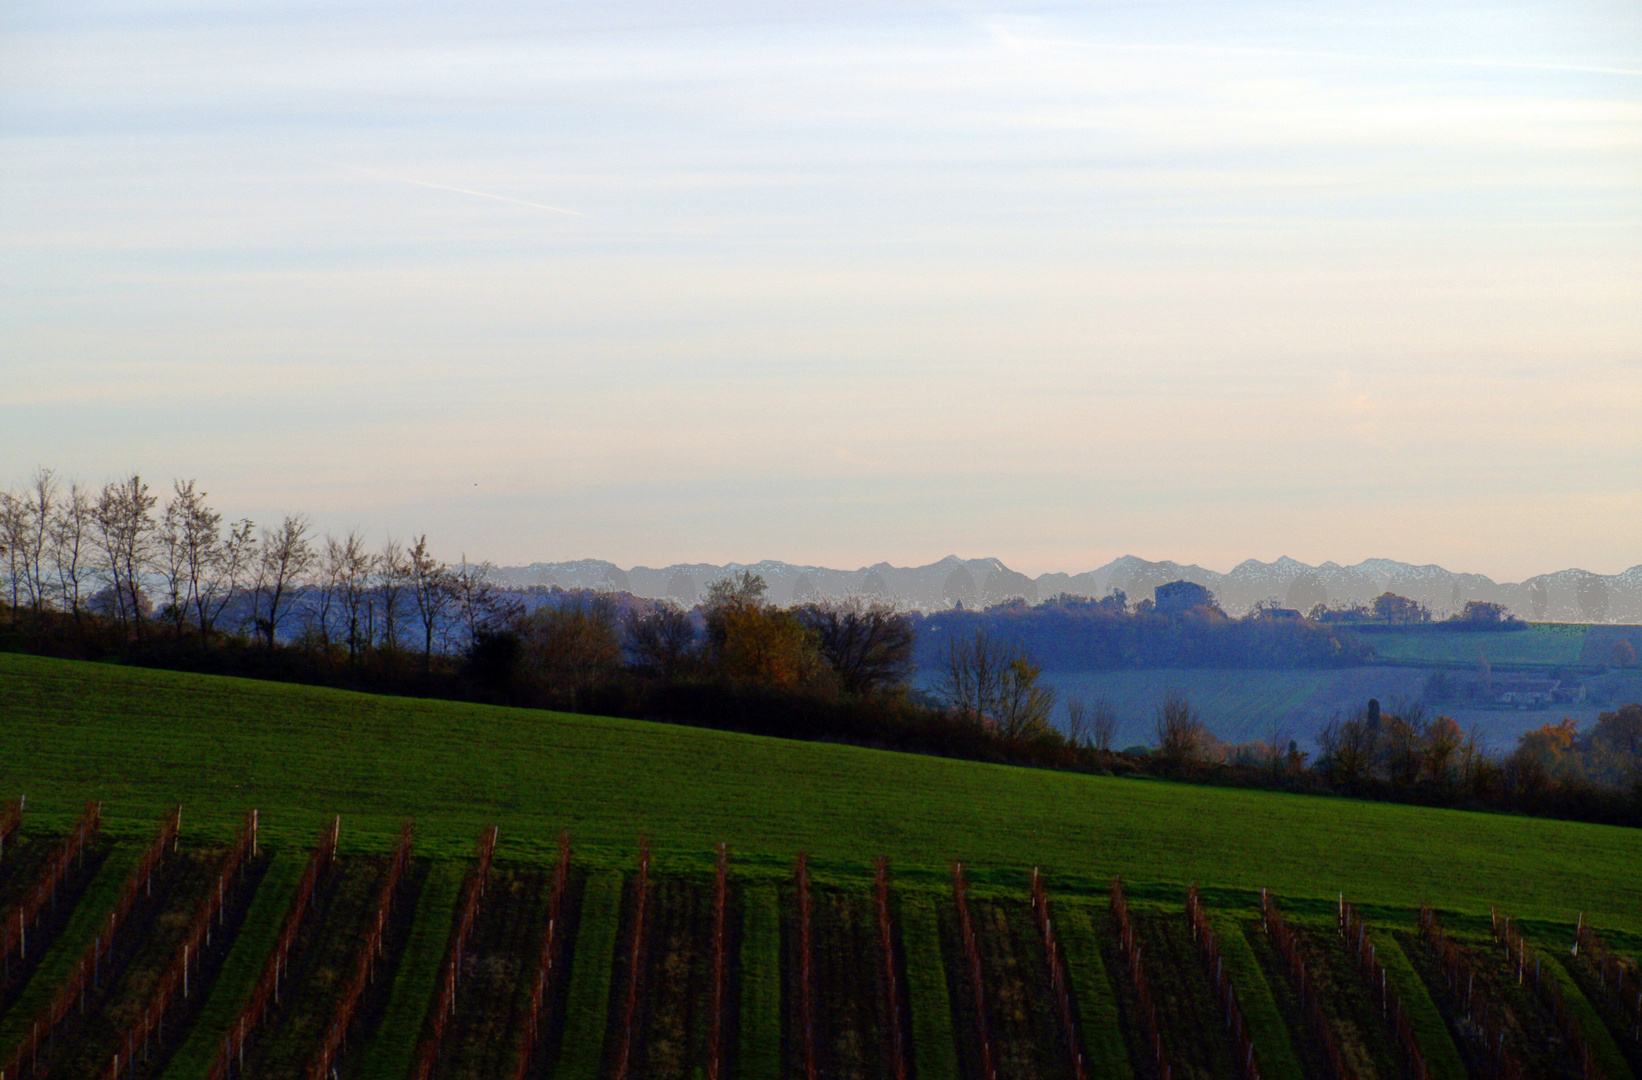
<point x="1565" y="596"/>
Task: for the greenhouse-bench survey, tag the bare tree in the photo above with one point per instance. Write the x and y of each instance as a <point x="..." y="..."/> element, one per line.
<point x="993" y="683"/>
<point x="1077" y="722"/>
<point x="222" y="570"/>
<point x="480" y="606"/>
<point x="13" y="533"/>
<point x="392" y="573"/>
<point x="331" y="560"/>
<point x="39" y="501"/>
<point x="1103" y="726"/>
<point x="199" y="565"/>
<point x="125" y="540"/>
<point x="71" y="526"/>
<point x="660" y="640"/>
<point x="354" y="570"/>
<point x="431" y="594"/>
<point x="1180" y="731"/>
<point x="1348" y="746"/>
<point x="171" y="558"/>
<point x="971" y="675"/>
<point x="287" y="556"/>
<point x="1025" y="705"/>
<point x="867" y="643"/>
<point x="190" y="551"/>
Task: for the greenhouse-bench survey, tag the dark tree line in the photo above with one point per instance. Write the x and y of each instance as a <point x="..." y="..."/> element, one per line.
<point x="124" y="573"/>
<point x="1083" y="634"/>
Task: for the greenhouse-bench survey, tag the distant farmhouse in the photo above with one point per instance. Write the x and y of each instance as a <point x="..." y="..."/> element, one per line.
<point x="1179" y="597"/>
<point x="1524" y="693"/>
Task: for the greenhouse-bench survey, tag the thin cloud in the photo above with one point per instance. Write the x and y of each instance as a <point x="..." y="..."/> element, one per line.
<point x="1005" y="37"/>
<point x="464" y="191"/>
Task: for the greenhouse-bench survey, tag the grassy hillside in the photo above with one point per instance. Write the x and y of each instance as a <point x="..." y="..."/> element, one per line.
<point x="141" y="739"/>
<point x="1541" y="643"/>
<point x="1239" y="705"/>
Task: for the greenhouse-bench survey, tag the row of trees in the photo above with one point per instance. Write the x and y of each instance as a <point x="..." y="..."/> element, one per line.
<point x="1080" y="633"/>
<point x="575" y="643"/>
<point x="1404" y="748"/>
<point x="122" y="554"/>
<point x="1389" y="610"/>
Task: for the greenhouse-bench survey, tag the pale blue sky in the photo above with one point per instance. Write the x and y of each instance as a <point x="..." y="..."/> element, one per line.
<point x="855" y="281"/>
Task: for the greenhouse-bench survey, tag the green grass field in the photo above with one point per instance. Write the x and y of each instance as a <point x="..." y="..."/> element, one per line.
<point x="589" y="995"/>
<point x="760" y="1051"/>
<point x="141" y="739"/>
<point x="1541" y="643"/>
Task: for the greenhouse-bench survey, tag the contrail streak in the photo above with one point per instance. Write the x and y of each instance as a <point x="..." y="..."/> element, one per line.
<point x="465" y="191"/>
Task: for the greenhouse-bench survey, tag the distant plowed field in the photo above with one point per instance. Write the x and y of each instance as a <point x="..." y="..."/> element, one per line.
<point x="1241" y="705"/>
<point x="251" y="946"/>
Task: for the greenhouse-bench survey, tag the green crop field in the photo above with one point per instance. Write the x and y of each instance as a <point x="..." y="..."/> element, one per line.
<point x="1541" y="643"/>
<point x="141" y="740"/>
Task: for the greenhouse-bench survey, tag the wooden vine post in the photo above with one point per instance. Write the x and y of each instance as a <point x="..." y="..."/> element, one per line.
<point x="266" y="992"/>
<point x="899" y="1066"/>
<point x="630" y="1004"/>
<point x="1549" y="991"/>
<point x="1214" y="969"/>
<point x="972" y="955"/>
<point x="364" y="972"/>
<point x="1354" y="933"/>
<point x="87" y="971"/>
<point x="715" y="1032"/>
<point x="547" y="964"/>
<point x="806" y="971"/>
<point x="443" y="1006"/>
<point x="1129" y="943"/>
<point x="1617" y="978"/>
<point x="174" y="983"/>
<point x="1058" y="982"/>
<point x="1464" y="995"/>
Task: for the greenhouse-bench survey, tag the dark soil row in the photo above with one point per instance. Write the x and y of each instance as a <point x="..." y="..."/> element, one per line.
<point x="1194" y="1035"/>
<point x="26" y="860"/>
<point x="482" y="1041"/>
<point x="144" y="949"/>
<point x="1618" y="1010"/>
<point x="1365" y="1037"/>
<point x="1496" y="1005"/>
<point x="320" y="965"/>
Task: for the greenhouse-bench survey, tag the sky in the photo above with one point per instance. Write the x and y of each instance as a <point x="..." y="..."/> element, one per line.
<point x="838" y="282"/>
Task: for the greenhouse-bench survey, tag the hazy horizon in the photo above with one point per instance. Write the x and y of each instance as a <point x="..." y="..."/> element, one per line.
<point x="844" y="284"/>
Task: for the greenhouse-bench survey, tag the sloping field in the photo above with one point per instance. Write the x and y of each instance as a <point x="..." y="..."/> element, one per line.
<point x="1541" y="643"/>
<point x="1241" y="705"/>
<point x="657" y="970"/>
<point x="142" y="740"/>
